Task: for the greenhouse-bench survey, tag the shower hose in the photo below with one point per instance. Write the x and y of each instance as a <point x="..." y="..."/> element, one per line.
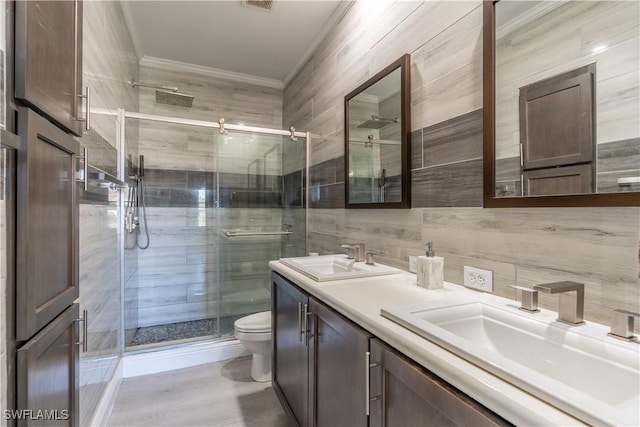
<point x="136" y="198"/>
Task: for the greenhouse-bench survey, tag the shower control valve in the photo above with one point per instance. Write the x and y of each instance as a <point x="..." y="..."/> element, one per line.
<point x="131" y="222"/>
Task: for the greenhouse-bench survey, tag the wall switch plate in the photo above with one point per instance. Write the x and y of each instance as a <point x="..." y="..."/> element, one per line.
<point x="413" y="264"/>
<point x="478" y="278"/>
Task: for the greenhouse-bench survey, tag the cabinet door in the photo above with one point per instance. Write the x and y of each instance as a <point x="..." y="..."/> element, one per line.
<point x="557" y="120"/>
<point x="46" y="224"/>
<point x="48" y="59"/>
<point x="290" y="362"/>
<point x="47" y="374"/>
<point x="576" y="179"/>
<point x="338" y="369"/>
<point x="404" y="394"/>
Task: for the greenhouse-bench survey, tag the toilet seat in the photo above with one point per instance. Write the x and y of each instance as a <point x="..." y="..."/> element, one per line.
<point x="258" y="323"/>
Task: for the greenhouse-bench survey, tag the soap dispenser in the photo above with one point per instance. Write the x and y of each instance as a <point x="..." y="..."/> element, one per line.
<point x="430" y="269"/>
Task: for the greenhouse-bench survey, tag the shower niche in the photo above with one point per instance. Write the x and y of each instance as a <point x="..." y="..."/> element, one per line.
<point x="377" y="140"/>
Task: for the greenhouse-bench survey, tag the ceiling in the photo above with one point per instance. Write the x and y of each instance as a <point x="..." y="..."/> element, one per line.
<point x="231" y="36"/>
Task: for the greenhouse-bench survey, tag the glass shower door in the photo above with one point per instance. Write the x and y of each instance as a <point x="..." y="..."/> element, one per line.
<point x="169" y="285"/>
<point x="218" y="208"/>
<point x="259" y="216"/>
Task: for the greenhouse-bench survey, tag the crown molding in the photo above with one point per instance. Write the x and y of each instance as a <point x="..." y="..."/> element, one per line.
<point x="530" y="15"/>
<point x="331" y="23"/>
<point x="167" y="64"/>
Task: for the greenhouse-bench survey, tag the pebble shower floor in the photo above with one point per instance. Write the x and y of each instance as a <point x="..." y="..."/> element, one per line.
<point x="179" y="331"/>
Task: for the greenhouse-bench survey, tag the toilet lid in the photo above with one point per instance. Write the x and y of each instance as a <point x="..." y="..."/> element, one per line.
<point x="256" y="323"/>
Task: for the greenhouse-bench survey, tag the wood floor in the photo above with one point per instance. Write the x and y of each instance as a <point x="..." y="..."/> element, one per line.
<point x="216" y="394"/>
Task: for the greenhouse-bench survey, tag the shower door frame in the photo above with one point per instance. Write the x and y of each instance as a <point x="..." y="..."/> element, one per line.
<point x="123" y="115"/>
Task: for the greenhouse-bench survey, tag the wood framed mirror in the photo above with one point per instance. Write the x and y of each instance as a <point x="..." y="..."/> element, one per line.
<point x="377" y="137"/>
<point x="561" y="105"/>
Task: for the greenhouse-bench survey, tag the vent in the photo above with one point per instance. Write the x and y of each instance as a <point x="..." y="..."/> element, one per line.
<point x="261" y="4"/>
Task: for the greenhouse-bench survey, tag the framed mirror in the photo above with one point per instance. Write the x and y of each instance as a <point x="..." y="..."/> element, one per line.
<point x="561" y="103"/>
<point x="377" y="130"/>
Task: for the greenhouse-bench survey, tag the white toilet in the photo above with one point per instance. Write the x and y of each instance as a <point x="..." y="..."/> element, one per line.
<point x="254" y="332"/>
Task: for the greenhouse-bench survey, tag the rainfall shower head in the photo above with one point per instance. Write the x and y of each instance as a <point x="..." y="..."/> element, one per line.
<point x="377" y="122"/>
<point x="168" y="95"/>
<point x="174" y="98"/>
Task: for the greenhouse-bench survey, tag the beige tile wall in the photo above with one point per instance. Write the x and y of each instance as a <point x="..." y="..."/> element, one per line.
<point x="598" y="246"/>
<point x="525" y="57"/>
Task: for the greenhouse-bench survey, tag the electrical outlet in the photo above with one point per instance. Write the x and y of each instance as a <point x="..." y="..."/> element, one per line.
<point x="413" y="264"/>
<point x="479" y="279"/>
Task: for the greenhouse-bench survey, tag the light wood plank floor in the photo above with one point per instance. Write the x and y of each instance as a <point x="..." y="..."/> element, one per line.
<point x="216" y="394"/>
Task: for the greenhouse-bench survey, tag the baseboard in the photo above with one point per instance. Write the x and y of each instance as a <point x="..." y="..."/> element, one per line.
<point x="182" y="357"/>
<point x="108" y="399"/>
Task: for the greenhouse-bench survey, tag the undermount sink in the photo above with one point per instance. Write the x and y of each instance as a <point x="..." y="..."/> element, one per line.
<point x="335" y="267"/>
<point x="577" y="369"/>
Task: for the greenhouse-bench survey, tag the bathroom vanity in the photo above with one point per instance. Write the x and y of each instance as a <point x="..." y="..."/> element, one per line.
<point x="329" y="371"/>
<point x="326" y="333"/>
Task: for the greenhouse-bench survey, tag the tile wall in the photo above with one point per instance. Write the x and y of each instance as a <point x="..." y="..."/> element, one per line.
<point x="598" y="246"/>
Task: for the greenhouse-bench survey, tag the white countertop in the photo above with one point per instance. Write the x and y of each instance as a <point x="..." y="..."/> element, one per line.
<point x="361" y="300"/>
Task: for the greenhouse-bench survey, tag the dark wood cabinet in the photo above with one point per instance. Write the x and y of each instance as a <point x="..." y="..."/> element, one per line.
<point x="47" y="374"/>
<point x="48" y="60"/>
<point x="46" y="224"/>
<point x="404" y="394"/>
<point x="319" y="364"/>
<point x="557" y="120"/>
<point x="557" y="133"/>
<point x="338" y="369"/>
<point x="330" y="372"/>
<point x="290" y="361"/>
<point x="575" y="179"/>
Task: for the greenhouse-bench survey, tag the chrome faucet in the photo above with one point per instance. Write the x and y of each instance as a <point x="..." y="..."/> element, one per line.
<point x="571" y="300"/>
<point x="622" y="325"/>
<point x="354" y="251"/>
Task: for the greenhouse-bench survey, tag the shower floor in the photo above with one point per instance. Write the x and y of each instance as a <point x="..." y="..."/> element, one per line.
<point x="180" y="331"/>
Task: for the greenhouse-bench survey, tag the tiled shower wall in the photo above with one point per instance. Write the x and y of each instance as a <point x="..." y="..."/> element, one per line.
<point x="109" y="61"/>
<point x="197" y="185"/>
<point x="597" y="246"/>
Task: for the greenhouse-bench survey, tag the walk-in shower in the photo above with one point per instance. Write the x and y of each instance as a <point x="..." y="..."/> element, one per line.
<point x="221" y="201"/>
